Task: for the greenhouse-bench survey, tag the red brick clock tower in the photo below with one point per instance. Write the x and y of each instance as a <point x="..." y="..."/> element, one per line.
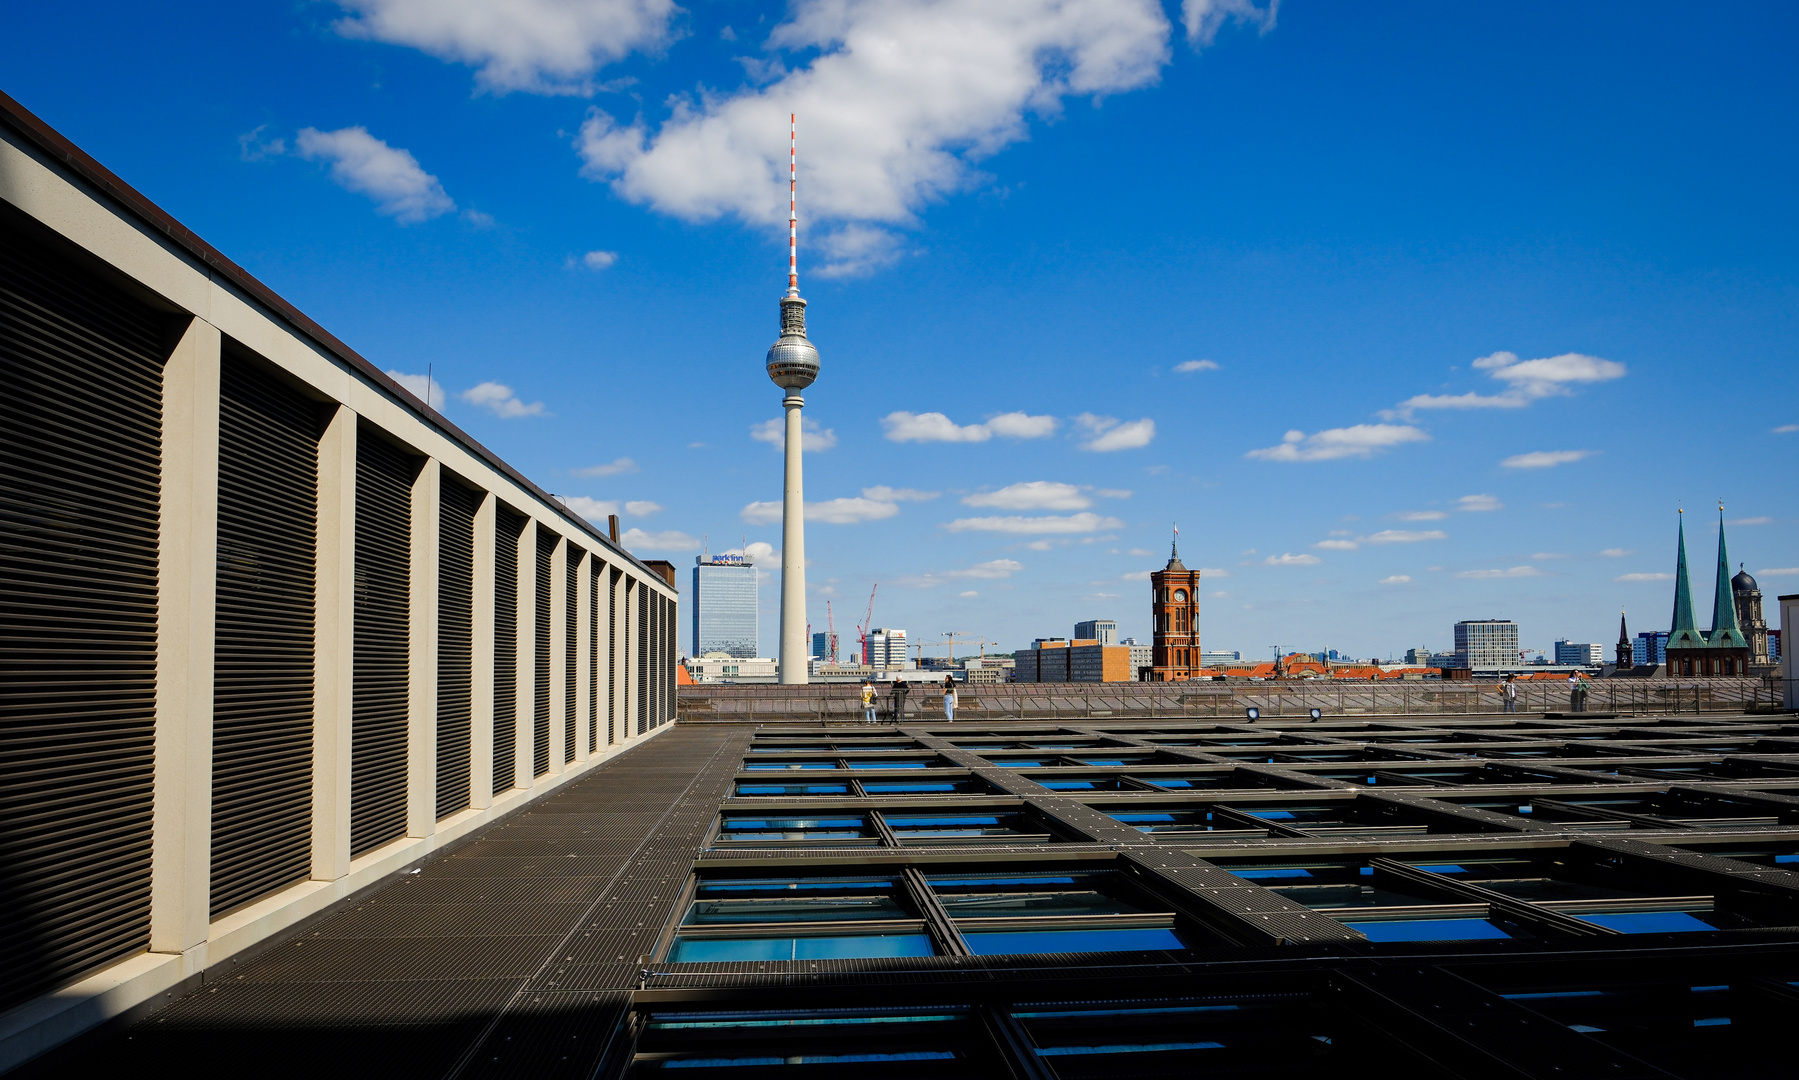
<point x="1174" y="605"/>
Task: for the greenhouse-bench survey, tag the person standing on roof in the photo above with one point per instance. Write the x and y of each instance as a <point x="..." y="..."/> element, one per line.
<point x="1509" y="691"/>
<point x="868" y="701"/>
<point x="899" y="699"/>
<point x="949" y="698"/>
<point x="1574" y="691"/>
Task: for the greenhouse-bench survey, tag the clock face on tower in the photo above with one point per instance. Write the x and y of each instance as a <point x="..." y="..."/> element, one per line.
<point x="1180" y="596"/>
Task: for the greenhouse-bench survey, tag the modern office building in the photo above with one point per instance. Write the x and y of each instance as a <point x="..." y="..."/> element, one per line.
<point x="1649" y="647"/>
<point x="824" y="647"/>
<point x="885" y="648"/>
<point x="1104" y="631"/>
<point x="1579" y="653"/>
<point x="1486" y="643"/>
<point x="272" y="629"/>
<point x="725" y="606"/>
<point x="1219" y="657"/>
<point x="719" y="668"/>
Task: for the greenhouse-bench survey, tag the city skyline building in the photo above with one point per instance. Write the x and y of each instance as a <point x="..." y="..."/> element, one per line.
<point x="1721" y="650"/>
<point x="1584" y="654"/>
<point x="793" y="365"/>
<point x="1174" y="592"/>
<point x="725" y="607"/>
<point x="824" y="646"/>
<point x="1486" y="643"/>
<point x="885" y="648"/>
<point x="1104" y="631"/>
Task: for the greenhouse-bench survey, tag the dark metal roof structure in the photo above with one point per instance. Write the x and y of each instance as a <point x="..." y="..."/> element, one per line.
<point x="1447" y="896"/>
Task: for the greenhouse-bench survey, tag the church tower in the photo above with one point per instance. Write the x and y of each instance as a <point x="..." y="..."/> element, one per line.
<point x="1174" y="605"/>
<point x="1749" y="616"/>
<point x="1625" y="663"/>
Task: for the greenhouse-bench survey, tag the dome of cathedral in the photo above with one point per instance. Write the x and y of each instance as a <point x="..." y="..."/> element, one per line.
<point x="1743" y="582"/>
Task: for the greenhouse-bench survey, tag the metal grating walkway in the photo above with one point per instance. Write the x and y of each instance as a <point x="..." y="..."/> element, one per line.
<point x="511" y="956"/>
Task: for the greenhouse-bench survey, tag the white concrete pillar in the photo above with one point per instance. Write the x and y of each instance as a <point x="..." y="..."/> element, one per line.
<point x="335" y="656"/>
<point x="584" y="658"/>
<point x="481" y="632"/>
<point x="525" y="711"/>
<point x="1789" y="668"/>
<point x="421" y="698"/>
<point x="559" y="673"/>
<point x="186" y="610"/>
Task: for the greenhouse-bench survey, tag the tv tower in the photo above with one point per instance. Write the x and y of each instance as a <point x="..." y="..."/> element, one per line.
<point x="793" y="365"/>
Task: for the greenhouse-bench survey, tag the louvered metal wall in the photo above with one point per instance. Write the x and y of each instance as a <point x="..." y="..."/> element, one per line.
<point x="508" y="528"/>
<point x="540" y="719"/>
<point x="595" y="580"/>
<point x="670" y="621"/>
<point x="382" y="666"/>
<point x="643" y="655"/>
<point x="80" y="482"/>
<point x="455" y="641"/>
<point x="571" y="665"/>
<point x="262" y="720"/>
<point x="612" y="683"/>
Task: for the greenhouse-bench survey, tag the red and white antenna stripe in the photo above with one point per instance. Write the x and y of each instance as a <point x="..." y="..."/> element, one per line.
<point x="793" y="216"/>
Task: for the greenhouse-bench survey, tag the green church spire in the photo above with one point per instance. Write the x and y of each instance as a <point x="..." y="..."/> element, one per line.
<point x="1725" y="632"/>
<point x="1683" y="634"/>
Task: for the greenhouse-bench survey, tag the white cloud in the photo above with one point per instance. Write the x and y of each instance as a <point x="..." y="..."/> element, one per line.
<point x="1206" y="572"/>
<point x="1032" y="495"/>
<point x="499" y="399"/>
<point x="1137" y="575"/>
<point x="1396" y="579"/>
<point x="591" y="509"/>
<point x="968" y="593"/>
<point x="1112" y="493"/>
<point x="1541" y="555"/>
<point x="1187" y="366"/>
<point x="882" y="493"/>
<point x="992" y="570"/>
<point x="1514" y="572"/>
<point x="936" y="427"/>
<point x="541" y="46"/>
<point x="1786" y="429"/>
<point x="611" y="468"/>
<point x="1072" y="523"/>
<point x="1204" y="18"/>
<point x="1291" y="560"/>
<point x="1421" y="515"/>
<point x="1779" y="571"/>
<point x="1336" y="545"/>
<point x="1750" y="521"/>
<point x="897" y="100"/>
<point x="756" y="551"/>
<point x="599" y="260"/>
<point x="366" y="165"/>
<point x="1361" y="440"/>
<point x="672" y="540"/>
<point x="813" y="438"/>
<point x="1644" y="577"/>
<point x="1615" y="553"/>
<point x="1479" y="503"/>
<point x="1545" y="459"/>
<point x="642" y="508"/>
<point x="1106" y="433"/>
<point x="423" y="387"/>
<point x="1526" y="381"/>
<point x="251" y="146"/>
<point x="830" y="512"/>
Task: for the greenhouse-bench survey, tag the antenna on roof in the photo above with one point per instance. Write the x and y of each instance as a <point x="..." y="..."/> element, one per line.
<point x="793" y="213"/>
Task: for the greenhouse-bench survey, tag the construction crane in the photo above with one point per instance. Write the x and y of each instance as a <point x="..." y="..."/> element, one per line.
<point x="949" y="639"/>
<point x="867" y="623"/>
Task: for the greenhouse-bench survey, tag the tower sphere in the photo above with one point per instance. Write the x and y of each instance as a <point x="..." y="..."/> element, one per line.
<point x="792" y="360"/>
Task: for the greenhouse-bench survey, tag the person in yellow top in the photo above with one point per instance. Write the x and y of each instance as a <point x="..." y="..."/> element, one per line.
<point x="868" y="701"/>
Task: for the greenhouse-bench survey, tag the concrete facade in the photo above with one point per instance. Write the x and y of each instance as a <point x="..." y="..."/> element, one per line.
<point x="102" y="226"/>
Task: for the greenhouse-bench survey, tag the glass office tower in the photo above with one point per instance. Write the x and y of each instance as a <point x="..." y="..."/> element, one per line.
<point x="724" y="606"/>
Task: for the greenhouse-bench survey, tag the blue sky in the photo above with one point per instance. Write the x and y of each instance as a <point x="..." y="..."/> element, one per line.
<point x="1405" y="313"/>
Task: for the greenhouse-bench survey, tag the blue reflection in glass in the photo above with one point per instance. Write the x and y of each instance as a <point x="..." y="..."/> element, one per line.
<point x="845" y="947"/>
<point x="1428" y="930"/>
<point x="1042" y="941"/>
<point x="1648" y="922"/>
